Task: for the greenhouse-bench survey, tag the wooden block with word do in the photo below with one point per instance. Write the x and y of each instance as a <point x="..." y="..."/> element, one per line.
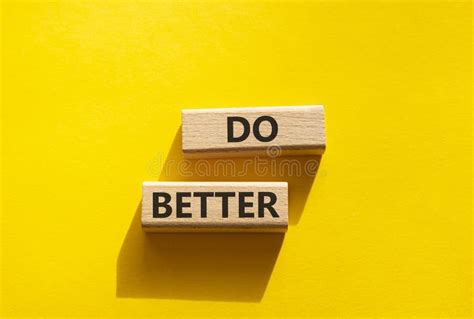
<point x="289" y="130"/>
<point x="215" y="206"/>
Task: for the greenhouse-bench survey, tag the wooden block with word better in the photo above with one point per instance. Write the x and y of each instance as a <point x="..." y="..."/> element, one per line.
<point x="272" y="131"/>
<point x="215" y="206"/>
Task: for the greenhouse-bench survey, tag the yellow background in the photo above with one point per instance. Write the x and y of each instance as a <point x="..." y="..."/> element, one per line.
<point x="91" y="100"/>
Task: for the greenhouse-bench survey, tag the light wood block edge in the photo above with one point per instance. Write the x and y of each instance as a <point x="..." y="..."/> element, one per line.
<point x="190" y="150"/>
<point x="217" y="227"/>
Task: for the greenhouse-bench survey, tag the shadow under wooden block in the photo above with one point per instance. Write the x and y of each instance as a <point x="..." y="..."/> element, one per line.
<point x="211" y="266"/>
<point x="196" y="266"/>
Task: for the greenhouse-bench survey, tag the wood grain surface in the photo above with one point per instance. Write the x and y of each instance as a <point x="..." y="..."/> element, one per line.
<point x="251" y="206"/>
<point x="298" y="130"/>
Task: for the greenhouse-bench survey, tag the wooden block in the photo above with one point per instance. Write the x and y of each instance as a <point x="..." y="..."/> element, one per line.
<point x="215" y="206"/>
<point x="289" y="130"/>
